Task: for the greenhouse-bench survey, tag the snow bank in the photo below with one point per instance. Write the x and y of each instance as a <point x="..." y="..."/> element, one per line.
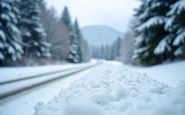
<point x="170" y="73"/>
<point x="113" y="90"/>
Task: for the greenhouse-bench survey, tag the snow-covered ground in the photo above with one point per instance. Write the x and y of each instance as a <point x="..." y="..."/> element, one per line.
<point x="170" y="73"/>
<point x="11" y="73"/>
<point x="113" y="89"/>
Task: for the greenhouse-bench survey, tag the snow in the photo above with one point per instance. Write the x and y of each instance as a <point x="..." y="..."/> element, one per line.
<point x="178" y="52"/>
<point x="13" y="73"/>
<point x="178" y="7"/>
<point x="2" y="35"/>
<point x="140" y="50"/>
<point x="169" y="22"/>
<point x="170" y="73"/>
<point x="152" y="21"/>
<point x="5" y="5"/>
<point x="5" y="17"/>
<point x="111" y="89"/>
<point x="162" y="46"/>
<point x="139" y="40"/>
<point x="179" y="39"/>
<point x="1" y="56"/>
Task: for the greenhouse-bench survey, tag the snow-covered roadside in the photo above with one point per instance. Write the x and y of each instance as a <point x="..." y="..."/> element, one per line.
<point x="170" y="73"/>
<point x="11" y="73"/>
<point x="23" y="103"/>
<point x="114" y="90"/>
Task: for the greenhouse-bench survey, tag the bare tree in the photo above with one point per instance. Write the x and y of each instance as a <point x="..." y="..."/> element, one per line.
<point x="127" y="45"/>
<point x="57" y="33"/>
<point x="127" y="48"/>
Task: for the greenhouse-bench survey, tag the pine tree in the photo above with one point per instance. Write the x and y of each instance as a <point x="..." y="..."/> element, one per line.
<point x="32" y="29"/>
<point x="152" y="40"/>
<point x="176" y="25"/>
<point x="73" y="55"/>
<point x="66" y="18"/>
<point x="10" y="38"/>
<point x="79" y="40"/>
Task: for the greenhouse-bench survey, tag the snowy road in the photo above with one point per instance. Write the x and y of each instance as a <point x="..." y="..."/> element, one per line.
<point x="23" y="104"/>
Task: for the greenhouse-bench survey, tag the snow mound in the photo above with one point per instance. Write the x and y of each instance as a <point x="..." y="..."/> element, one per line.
<point x="113" y="90"/>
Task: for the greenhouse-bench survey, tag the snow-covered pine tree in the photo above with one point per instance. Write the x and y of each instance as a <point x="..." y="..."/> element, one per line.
<point x="79" y="40"/>
<point x="176" y="25"/>
<point x="10" y="38"/>
<point x="73" y="55"/>
<point x="152" y="40"/>
<point x="32" y="29"/>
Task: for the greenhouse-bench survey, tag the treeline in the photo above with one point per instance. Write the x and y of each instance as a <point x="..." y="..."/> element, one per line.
<point x="108" y="52"/>
<point x="29" y="30"/>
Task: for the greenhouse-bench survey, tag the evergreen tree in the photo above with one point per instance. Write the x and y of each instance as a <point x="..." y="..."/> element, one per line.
<point x="176" y="25"/>
<point x="73" y="55"/>
<point x="10" y="38"/>
<point x="32" y="29"/>
<point x="152" y="40"/>
<point x="79" y="40"/>
<point x="66" y="18"/>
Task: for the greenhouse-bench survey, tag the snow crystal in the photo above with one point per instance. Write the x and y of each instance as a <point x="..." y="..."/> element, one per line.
<point x="152" y="21"/>
<point x="179" y="39"/>
<point x="162" y="46"/>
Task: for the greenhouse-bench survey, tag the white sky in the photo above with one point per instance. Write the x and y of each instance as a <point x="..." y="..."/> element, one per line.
<point x="115" y="13"/>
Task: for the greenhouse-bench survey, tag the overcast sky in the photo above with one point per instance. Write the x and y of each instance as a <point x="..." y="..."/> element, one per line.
<point x="115" y="13"/>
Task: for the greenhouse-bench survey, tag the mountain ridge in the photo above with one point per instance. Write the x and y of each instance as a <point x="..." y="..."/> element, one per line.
<point x="100" y="34"/>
